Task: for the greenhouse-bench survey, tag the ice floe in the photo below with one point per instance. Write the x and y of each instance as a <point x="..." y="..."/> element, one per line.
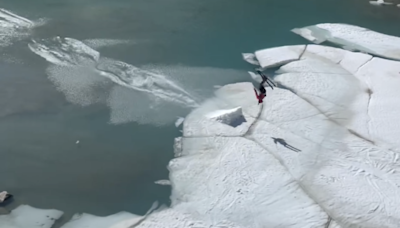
<point x="26" y="216"/>
<point x="353" y="38"/>
<point x="272" y="57"/>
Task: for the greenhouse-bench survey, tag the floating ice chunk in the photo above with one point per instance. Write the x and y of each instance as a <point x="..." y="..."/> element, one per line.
<point x="250" y="58"/>
<point x="179" y="121"/>
<point x="92" y="221"/>
<point x="379" y="3"/>
<point x="132" y="94"/>
<point x="232" y="117"/>
<point x="64" y="51"/>
<point x="163" y="182"/>
<point x="26" y="216"/>
<point x="353" y="37"/>
<point x="273" y="57"/>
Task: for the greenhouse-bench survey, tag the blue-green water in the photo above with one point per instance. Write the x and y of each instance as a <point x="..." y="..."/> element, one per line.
<point x="114" y="166"/>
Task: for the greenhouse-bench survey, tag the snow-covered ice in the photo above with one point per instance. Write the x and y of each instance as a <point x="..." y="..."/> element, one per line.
<point x="353" y="38"/>
<point x="26" y="216"/>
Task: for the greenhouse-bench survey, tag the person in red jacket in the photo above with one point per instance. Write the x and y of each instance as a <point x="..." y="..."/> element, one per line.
<point x="263" y="93"/>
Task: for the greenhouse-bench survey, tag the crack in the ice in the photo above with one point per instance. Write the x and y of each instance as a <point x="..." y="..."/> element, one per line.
<point x="368" y="112"/>
<point x="302" y="53"/>
<point x="362" y="65"/>
<point x="328" y="223"/>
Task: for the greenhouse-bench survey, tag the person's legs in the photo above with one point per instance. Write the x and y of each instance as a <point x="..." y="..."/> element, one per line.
<point x="262" y="89"/>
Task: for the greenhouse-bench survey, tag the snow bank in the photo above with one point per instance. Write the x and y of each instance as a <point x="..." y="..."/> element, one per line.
<point x="353" y="38"/>
<point x="26" y="216"/>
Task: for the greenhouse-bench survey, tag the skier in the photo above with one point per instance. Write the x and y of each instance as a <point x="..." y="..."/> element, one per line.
<point x="262" y="95"/>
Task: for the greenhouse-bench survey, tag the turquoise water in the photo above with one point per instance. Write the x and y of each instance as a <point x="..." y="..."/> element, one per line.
<point x="114" y="166"/>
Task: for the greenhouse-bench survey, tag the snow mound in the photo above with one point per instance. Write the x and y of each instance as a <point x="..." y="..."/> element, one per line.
<point x="133" y="94"/>
<point x="232" y="117"/>
<point x="352" y="37"/>
<point x="273" y="57"/>
<point x="91" y="221"/>
<point x="227" y="97"/>
<point x="26" y="216"/>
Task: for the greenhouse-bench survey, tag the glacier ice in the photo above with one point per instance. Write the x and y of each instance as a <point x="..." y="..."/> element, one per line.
<point x="25" y="216"/>
<point x="353" y="38"/>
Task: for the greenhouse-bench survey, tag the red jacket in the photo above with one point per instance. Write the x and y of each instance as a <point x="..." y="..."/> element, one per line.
<point x="259" y="97"/>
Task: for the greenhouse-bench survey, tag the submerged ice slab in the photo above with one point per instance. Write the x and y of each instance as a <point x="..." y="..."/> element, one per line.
<point x="26" y="216"/>
<point x="273" y="57"/>
<point x="131" y="93"/>
<point x="353" y="38"/>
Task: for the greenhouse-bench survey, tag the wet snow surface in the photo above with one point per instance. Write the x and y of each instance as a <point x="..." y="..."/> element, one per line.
<point x="321" y="153"/>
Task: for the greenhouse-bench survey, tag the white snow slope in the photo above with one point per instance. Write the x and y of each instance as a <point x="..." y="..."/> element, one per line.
<point x="320" y="153"/>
